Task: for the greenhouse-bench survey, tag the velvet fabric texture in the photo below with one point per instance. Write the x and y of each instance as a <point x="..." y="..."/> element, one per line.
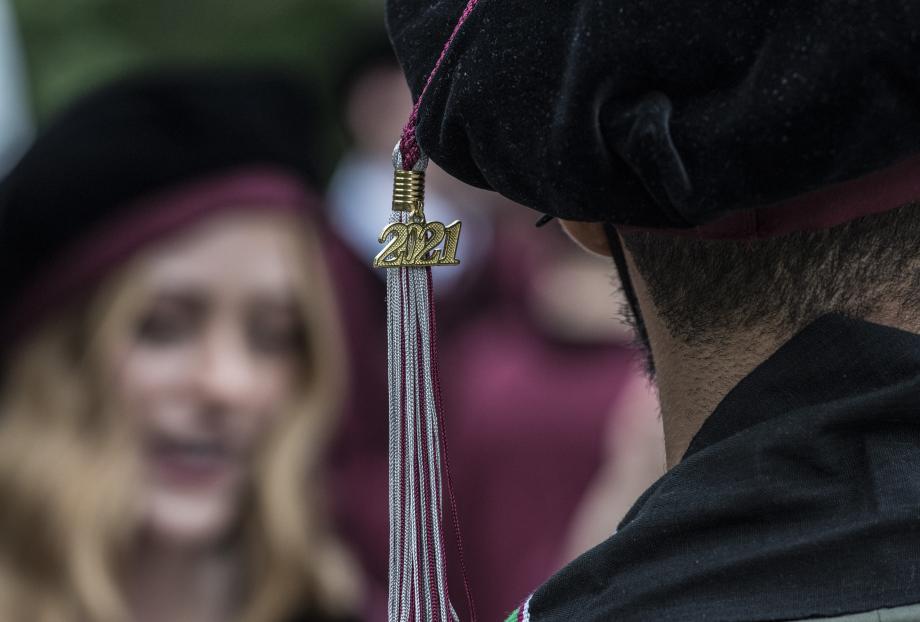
<point x="664" y="114"/>
<point x="107" y="158"/>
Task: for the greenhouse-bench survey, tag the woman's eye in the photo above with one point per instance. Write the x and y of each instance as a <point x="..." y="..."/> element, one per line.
<point x="276" y="337"/>
<point x="165" y="327"/>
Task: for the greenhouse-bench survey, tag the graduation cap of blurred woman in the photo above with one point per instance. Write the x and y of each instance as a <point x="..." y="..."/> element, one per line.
<point x="171" y="360"/>
<point x="753" y="168"/>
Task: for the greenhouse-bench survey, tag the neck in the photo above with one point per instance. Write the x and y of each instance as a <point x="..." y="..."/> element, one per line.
<point x="177" y="583"/>
<point x="692" y="380"/>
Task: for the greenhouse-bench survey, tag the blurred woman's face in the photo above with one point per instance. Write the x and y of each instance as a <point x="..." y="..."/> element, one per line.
<point x="210" y="363"/>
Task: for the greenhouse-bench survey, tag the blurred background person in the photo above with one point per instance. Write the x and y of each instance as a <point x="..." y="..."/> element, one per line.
<point x="171" y="361"/>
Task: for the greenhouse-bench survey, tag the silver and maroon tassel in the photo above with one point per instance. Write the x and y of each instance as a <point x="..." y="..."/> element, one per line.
<point x="418" y="464"/>
<point x="417" y="447"/>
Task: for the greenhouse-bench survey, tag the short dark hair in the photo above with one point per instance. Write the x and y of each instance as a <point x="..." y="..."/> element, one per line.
<point x="706" y="287"/>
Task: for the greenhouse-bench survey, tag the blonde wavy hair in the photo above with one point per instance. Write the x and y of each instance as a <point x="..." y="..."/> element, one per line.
<point x="68" y="472"/>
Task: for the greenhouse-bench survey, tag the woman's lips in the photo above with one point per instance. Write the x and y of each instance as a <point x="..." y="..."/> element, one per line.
<point x="191" y="464"/>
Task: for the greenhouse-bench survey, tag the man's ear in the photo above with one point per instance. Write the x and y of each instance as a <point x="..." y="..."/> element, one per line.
<point x="589" y="235"/>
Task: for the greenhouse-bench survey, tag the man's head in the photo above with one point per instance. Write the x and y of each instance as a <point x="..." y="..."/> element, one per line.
<point x="735" y="135"/>
<point x="757" y="138"/>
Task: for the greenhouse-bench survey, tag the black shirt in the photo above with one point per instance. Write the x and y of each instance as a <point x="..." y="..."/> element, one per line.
<point x="799" y="497"/>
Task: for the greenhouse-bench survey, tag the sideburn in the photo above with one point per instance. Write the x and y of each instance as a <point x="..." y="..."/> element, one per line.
<point x="632" y="311"/>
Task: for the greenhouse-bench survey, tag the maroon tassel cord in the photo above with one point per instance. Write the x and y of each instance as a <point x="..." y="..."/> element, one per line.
<point x="408" y="146"/>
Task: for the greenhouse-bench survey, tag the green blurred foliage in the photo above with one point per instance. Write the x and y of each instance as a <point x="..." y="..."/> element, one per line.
<point x="72" y="46"/>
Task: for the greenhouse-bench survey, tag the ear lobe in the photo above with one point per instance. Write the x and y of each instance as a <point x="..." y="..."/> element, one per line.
<point x="589" y="235"/>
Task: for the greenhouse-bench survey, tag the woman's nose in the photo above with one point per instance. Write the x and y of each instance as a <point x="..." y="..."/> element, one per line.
<point x="226" y="372"/>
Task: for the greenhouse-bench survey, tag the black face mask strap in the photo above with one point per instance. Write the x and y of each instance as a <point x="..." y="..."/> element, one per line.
<point x="619" y="260"/>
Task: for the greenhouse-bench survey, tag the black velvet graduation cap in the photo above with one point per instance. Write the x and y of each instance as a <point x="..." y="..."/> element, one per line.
<point x="131" y="140"/>
<point x="755" y="116"/>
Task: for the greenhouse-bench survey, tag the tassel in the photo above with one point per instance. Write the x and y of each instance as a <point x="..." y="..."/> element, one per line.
<point x="417" y="449"/>
<point x="418" y="464"/>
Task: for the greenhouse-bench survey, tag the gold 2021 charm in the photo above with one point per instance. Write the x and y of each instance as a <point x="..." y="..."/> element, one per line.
<point x="417" y="243"/>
